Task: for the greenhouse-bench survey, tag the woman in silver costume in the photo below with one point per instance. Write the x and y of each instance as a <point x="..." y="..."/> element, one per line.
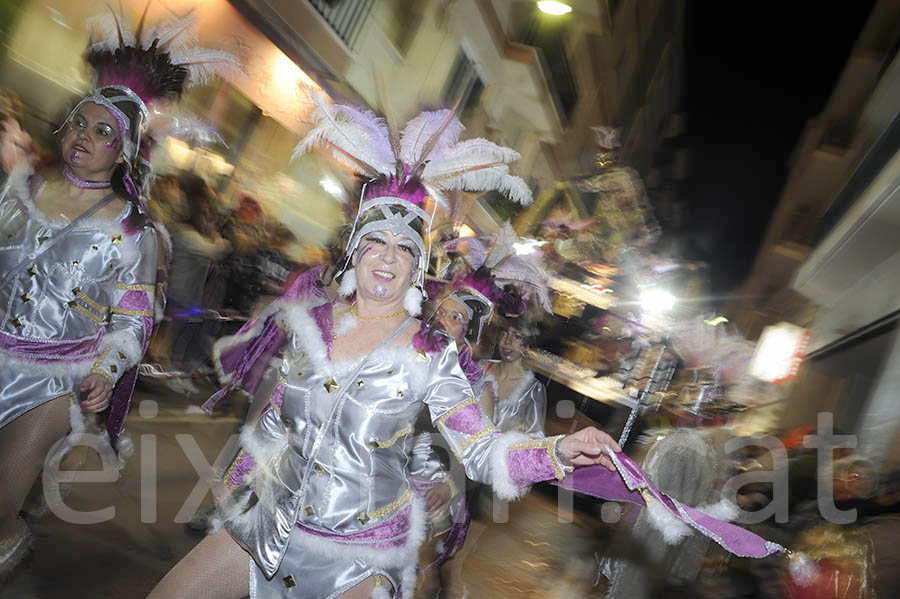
<point x="324" y="501"/>
<point x="79" y="263"/>
<point x="77" y="313"/>
<point x="520" y="400"/>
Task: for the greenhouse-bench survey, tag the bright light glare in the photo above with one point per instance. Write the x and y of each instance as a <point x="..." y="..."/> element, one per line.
<point x="553" y="7"/>
<point x="779" y="352"/>
<point x="466" y="231"/>
<point x="657" y="301"/>
<point x="714" y="322"/>
<point x="527" y="246"/>
<point x="331" y="187"/>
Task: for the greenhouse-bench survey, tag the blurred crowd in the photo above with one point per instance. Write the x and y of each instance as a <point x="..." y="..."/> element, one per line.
<point x="225" y="263"/>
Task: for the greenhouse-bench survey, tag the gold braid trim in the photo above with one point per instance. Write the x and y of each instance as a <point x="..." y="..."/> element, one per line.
<point x="96" y="370"/>
<point x="82" y="310"/>
<point x="136" y="287"/>
<point x="403" y="431"/>
<point x="455" y="409"/>
<point x="127" y="312"/>
<point x="227" y="478"/>
<point x="86" y="299"/>
<point x="472" y="439"/>
<point x="391" y="507"/>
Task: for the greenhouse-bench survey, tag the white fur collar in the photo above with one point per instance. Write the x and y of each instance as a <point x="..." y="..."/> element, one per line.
<point x="522" y="385"/>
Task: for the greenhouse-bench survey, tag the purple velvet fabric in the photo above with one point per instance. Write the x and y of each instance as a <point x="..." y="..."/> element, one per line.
<point x="278" y="395"/>
<point x="135" y="300"/>
<point x="306" y="286"/>
<point x="382" y="536"/>
<point x="467" y="420"/>
<point x="239" y="472"/>
<point x="624" y="485"/>
<point x="470" y="367"/>
<point x="50" y="351"/>
<point x="527" y="466"/>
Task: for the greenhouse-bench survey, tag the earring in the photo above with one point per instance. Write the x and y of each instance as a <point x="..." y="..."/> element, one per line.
<point x="412" y="301"/>
<point x="348" y="283"/>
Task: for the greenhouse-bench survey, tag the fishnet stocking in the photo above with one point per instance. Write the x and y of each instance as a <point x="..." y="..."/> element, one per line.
<point x="217" y="568"/>
<point x="24" y="444"/>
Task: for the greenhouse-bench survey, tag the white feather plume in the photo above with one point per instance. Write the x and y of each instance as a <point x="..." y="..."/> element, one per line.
<point x="421" y="129"/>
<point x="352" y="142"/>
<point x="502" y="247"/>
<point x="105" y="27"/>
<point x="173" y="34"/>
<point x="205" y="63"/>
<point x="466" y="155"/>
<point x="490" y="178"/>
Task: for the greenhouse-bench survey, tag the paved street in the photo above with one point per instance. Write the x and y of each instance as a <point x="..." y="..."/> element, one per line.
<point x="532" y="555"/>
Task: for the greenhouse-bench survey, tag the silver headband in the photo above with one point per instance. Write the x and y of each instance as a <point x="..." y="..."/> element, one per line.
<point x="129" y="146"/>
<point x="468" y="294"/>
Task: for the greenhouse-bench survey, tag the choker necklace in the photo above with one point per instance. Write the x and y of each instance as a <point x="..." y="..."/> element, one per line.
<point x="83" y="183"/>
<point x="354" y="313"/>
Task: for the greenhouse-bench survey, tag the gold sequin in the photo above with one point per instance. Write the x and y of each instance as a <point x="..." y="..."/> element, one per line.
<point x="113" y="368"/>
<point x="331" y="385"/>
<point x="390" y="372"/>
<point x="122" y="356"/>
<point x="360" y="384"/>
<point x="289" y="581"/>
<point x="26" y="297"/>
<point x="117" y="238"/>
<point x="33" y="271"/>
<point x="318" y="468"/>
<point x="94" y="247"/>
<point x="420" y="356"/>
<point x="42" y="239"/>
<point x="363" y="518"/>
<point x="74" y="262"/>
<point x="309" y="511"/>
<point x="16" y="322"/>
<point x="399" y="393"/>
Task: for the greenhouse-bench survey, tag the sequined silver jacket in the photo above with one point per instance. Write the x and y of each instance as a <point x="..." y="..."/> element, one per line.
<point x="332" y="454"/>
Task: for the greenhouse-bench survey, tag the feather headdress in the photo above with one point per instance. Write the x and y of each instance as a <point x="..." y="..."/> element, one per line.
<point x="426" y="154"/>
<point x="142" y="67"/>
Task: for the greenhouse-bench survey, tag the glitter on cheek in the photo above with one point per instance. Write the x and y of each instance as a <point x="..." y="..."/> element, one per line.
<point x="379" y="291"/>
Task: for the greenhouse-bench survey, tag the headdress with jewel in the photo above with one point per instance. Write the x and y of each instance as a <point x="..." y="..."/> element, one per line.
<point x="404" y="169"/>
<point x="136" y="71"/>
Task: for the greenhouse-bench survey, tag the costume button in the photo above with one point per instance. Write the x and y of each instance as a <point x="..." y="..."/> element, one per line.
<point x="318" y="468"/>
<point x="309" y="511"/>
<point x="330" y="385"/>
<point x="363" y="518"/>
<point x="289" y="581"/>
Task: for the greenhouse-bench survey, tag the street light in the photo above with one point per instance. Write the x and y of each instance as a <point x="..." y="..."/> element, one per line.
<point x="553" y="7"/>
<point x="656" y="301"/>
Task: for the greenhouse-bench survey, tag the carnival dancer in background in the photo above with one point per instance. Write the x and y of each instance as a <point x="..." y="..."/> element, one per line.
<point x="464" y="313"/>
<point x="324" y="503"/>
<point x="79" y="259"/>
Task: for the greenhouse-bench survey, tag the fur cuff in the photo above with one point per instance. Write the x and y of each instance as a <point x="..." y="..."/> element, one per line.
<point x="503" y="484"/>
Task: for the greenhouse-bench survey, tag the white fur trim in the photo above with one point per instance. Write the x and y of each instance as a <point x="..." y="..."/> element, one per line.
<point x="348" y="283"/>
<point x="381" y="592"/>
<point x="76" y="369"/>
<point x="399" y="356"/>
<point x="502" y="482"/>
<point x="803" y="569"/>
<point x="346" y="323"/>
<point x="672" y="529"/>
<point x="125" y="342"/>
<point x="412" y="301"/>
<point x="223" y="344"/>
<point x="306" y="334"/>
<point x="723" y="510"/>
<point x="402" y="557"/>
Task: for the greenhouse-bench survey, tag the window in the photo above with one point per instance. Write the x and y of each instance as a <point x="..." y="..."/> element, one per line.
<point x="346" y="17"/>
<point x="463" y="84"/>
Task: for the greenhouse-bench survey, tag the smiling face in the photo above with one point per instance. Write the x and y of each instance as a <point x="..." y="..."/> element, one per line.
<point x="91" y="144"/>
<point x="511" y="345"/>
<point x="452" y="319"/>
<point x="385" y="265"/>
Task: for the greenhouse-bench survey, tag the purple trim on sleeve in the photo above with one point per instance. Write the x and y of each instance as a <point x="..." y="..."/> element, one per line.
<point x="239" y="471"/>
<point x="467" y="420"/>
<point x="135" y="300"/>
<point x="527" y="466"/>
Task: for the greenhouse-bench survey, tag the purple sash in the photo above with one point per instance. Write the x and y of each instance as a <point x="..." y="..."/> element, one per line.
<point x="50" y="351"/>
<point x="631" y="485"/>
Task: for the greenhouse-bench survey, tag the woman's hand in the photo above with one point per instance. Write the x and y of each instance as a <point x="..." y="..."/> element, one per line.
<point x="588" y="447"/>
<point x="99" y="390"/>
<point x="437" y="498"/>
<point x="15" y="146"/>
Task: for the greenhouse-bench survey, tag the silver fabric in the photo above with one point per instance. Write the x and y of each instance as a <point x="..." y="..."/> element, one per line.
<point x="525" y="409"/>
<point x="61" y="297"/>
<point x="359" y="477"/>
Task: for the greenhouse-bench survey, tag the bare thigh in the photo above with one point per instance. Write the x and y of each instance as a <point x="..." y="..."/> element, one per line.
<point x="217" y="568"/>
<point x="364" y="589"/>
